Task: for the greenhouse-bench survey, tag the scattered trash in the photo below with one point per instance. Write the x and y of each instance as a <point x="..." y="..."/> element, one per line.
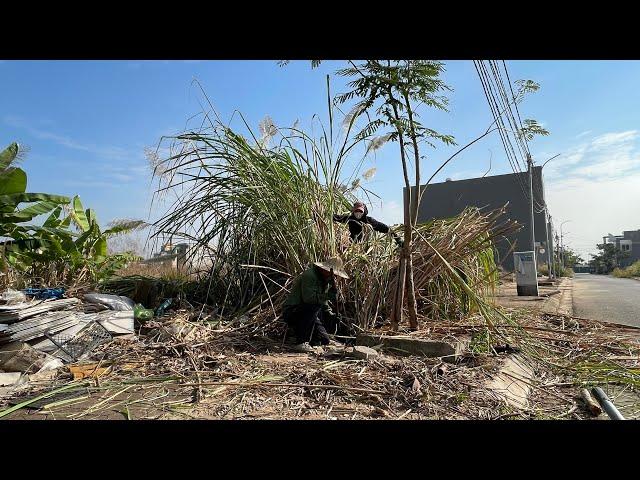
<point x="17" y="313"/>
<point x="75" y="346"/>
<point x="142" y="314"/>
<point x="506" y="349"/>
<point x="8" y="379"/>
<point x="45" y="293"/>
<point x="22" y="357"/>
<point x="114" y="302"/>
<point x="90" y="370"/>
<point x="606" y="404"/>
<point x="118" y="322"/>
<point x="163" y="306"/>
<point x="12" y="297"/>
<point x="36" y="327"/>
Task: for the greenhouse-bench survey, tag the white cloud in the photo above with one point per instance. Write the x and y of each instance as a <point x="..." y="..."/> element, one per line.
<point x="611" y="155"/>
<point x="595" y="207"/>
<point x="609" y="139"/>
<point x="595" y="186"/>
<point x="108" y="151"/>
<point x="609" y="168"/>
<point x="584" y="133"/>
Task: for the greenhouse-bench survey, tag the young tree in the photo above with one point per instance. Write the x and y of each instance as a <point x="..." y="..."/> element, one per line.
<point x="390" y="93"/>
<point x="608" y="258"/>
<point x="571" y="258"/>
<point x="394" y="90"/>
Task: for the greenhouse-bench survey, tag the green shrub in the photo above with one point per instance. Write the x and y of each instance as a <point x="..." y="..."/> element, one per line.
<point x="630" y="271"/>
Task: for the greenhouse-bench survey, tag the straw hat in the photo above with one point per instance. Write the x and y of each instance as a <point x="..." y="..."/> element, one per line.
<point x="333" y="264"/>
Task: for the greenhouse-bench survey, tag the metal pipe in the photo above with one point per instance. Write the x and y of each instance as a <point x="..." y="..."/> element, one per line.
<point x="606" y="404"/>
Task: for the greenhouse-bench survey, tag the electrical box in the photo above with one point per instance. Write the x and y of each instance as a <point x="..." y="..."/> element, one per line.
<point x="526" y="273"/>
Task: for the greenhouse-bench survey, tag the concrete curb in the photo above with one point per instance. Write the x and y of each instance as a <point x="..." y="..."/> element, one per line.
<point x="512" y="383"/>
<point x="566" y="300"/>
<point x="561" y="302"/>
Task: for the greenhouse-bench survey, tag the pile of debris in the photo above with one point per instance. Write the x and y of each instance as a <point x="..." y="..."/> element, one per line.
<point x="40" y="331"/>
<point x="188" y="365"/>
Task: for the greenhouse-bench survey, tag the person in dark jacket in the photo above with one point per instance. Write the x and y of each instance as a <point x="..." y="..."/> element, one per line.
<point x="307" y="308"/>
<point x="357" y="218"/>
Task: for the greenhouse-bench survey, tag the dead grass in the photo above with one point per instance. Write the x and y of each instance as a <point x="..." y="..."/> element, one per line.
<point x="179" y="368"/>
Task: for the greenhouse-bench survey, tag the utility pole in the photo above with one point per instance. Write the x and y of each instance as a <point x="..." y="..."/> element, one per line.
<point x="562" y="241"/>
<point x="549" y="251"/>
<point x="547" y="217"/>
<point x="533" y="234"/>
<point x="557" y="253"/>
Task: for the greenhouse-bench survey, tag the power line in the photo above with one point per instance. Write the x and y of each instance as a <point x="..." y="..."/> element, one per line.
<point x="507" y="108"/>
<point x="497" y="115"/>
<point x="514" y="102"/>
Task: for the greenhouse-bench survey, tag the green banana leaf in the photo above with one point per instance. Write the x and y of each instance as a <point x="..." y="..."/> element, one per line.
<point x="13" y="180"/>
<point x="15" y="198"/>
<point x="53" y="220"/>
<point x="8" y="155"/>
<point x="78" y="215"/>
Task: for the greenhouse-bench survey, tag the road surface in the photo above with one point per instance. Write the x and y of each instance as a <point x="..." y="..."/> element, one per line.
<point x="608" y="299"/>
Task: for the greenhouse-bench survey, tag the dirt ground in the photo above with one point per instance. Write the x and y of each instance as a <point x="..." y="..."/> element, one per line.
<point x="185" y="371"/>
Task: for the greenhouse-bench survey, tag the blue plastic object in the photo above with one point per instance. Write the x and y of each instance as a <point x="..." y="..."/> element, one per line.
<point x="45" y="293"/>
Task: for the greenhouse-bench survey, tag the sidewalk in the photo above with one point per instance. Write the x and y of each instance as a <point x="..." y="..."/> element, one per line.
<point x="557" y="298"/>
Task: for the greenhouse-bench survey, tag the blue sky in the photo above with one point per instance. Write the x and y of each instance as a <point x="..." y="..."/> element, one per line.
<point x="87" y="124"/>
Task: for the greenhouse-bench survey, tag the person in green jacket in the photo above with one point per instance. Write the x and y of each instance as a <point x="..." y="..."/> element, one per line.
<point x="307" y="308"/>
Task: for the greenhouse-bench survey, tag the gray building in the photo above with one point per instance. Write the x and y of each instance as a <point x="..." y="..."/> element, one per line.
<point x="628" y="242"/>
<point x="446" y="199"/>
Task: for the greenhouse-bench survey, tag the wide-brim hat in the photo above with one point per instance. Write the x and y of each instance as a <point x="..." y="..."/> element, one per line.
<point x="333" y="264"/>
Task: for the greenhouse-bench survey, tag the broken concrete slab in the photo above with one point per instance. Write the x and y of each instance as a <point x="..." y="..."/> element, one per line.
<point x="361" y="352"/>
<point x="407" y="346"/>
<point x="513" y="381"/>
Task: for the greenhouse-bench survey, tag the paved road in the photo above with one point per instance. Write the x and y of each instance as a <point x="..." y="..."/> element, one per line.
<point x="606" y="298"/>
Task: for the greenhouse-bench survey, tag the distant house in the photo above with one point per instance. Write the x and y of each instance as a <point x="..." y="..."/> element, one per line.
<point x="173" y="255"/>
<point x="446" y="199"/>
<point x="628" y="242"/>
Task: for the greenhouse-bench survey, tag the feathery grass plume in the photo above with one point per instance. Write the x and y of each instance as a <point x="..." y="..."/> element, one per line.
<point x="267" y="131"/>
<point x="378" y="142"/>
<point x="369" y="174"/>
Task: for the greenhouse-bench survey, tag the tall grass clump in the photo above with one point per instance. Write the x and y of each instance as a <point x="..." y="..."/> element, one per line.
<point x="263" y="213"/>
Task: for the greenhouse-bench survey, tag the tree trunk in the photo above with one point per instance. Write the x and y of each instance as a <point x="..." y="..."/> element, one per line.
<point x="398" y="295"/>
<point x="413" y="221"/>
<point x="412" y="306"/>
<point x="411" y="296"/>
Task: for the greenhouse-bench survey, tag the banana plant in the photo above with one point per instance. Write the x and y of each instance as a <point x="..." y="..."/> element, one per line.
<point x="13" y="186"/>
<point x="18" y="237"/>
<point x="69" y="240"/>
<point x="92" y="241"/>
